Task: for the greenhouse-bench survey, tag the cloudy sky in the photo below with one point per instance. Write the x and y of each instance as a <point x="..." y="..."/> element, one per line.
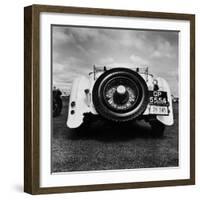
<point x="76" y="49"/>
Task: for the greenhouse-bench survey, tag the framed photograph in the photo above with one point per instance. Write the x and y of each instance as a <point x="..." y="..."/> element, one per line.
<point x="109" y="99"/>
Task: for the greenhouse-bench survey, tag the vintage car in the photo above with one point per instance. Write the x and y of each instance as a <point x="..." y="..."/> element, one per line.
<point x="121" y="95"/>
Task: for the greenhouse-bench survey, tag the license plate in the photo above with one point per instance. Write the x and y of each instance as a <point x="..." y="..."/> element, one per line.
<point x="158" y="98"/>
<point x="158" y="110"/>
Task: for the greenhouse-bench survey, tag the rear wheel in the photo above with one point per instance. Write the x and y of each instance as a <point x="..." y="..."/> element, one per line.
<point x="157" y="128"/>
<point x="120" y="94"/>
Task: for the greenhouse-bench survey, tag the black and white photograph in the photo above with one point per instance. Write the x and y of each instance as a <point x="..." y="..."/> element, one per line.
<point x="115" y="98"/>
<point x="109" y="99"/>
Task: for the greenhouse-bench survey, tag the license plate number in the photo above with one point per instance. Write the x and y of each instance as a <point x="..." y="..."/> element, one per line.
<point x="159" y="110"/>
<point x="158" y="98"/>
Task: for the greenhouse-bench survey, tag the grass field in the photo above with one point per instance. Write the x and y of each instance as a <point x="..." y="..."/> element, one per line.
<point x="106" y="147"/>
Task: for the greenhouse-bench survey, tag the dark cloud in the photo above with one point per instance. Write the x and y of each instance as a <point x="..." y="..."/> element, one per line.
<point x="77" y="49"/>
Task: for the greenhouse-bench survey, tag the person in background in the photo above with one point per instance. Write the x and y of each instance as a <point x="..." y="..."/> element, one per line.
<point x="57" y="102"/>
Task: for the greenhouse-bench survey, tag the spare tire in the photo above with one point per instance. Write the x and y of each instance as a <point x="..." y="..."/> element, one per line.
<point x="120" y="94"/>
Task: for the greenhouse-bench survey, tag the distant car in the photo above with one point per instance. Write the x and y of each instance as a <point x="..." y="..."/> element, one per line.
<point x="121" y="95"/>
<point x="57" y="102"/>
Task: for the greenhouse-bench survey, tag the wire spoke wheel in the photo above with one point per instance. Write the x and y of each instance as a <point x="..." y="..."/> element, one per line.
<point x="120" y="94"/>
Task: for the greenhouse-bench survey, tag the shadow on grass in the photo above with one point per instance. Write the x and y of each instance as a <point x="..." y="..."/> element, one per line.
<point x="103" y="130"/>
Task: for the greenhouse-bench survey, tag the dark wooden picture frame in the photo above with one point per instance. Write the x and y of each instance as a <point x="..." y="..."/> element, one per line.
<point x="32" y="103"/>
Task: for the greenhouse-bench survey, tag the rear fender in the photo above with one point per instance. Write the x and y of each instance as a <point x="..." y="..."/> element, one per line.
<point x="164" y="86"/>
<point x="79" y="101"/>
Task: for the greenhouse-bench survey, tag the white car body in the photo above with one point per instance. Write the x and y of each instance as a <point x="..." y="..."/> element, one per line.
<point x="81" y="101"/>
